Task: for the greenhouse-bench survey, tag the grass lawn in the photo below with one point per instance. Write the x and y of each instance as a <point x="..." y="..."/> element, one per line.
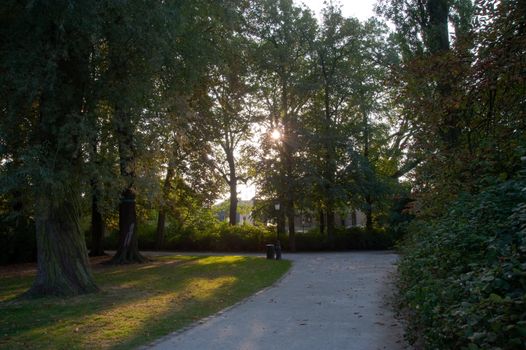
<point x="136" y="304"/>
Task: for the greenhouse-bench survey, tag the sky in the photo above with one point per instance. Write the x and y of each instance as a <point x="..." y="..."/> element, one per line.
<point x="361" y="9"/>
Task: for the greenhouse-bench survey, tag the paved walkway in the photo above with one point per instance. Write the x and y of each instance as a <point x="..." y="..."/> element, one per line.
<point x="327" y="301"/>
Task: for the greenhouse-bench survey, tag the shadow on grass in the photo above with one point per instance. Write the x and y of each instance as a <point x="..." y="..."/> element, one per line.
<point x="137" y="304"/>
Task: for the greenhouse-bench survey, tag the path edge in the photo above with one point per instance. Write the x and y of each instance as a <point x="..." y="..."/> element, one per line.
<point x="217" y="314"/>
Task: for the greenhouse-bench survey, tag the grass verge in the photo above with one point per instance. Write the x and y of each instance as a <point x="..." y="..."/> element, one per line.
<point x="137" y="303"/>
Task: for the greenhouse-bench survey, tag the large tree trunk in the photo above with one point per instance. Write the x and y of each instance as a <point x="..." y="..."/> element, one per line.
<point x="437" y="27"/>
<point x="159" y="232"/>
<point x="128" y="250"/>
<point x="98" y="229"/>
<point x="161" y="219"/>
<point x="437" y="40"/>
<point x="63" y="267"/>
<point x="232" y="183"/>
<point x="62" y="257"/>
<point x="233" y="204"/>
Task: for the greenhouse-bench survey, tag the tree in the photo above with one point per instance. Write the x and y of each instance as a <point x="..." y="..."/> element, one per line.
<point x="284" y="34"/>
<point x="132" y="84"/>
<point x="44" y="74"/>
<point x="337" y="46"/>
<point x="232" y="114"/>
<point x="435" y="85"/>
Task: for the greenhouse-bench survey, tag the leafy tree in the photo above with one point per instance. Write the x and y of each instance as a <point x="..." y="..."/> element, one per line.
<point x="342" y="67"/>
<point x="233" y="115"/>
<point x="44" y="125"/>
<point x="284" y="33"/>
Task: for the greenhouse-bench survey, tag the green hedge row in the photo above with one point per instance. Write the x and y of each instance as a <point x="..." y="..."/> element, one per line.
<point x="223" y="237"/>
<point x="463" y="276"/>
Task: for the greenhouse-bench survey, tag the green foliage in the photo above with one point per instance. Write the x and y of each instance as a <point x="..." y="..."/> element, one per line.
<point x="213" y="237"/>
<point x="222" y="237"/>
<point x="463" y="275"/>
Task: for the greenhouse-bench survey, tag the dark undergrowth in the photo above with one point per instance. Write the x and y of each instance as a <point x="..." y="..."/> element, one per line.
<point x="463" y="275"/>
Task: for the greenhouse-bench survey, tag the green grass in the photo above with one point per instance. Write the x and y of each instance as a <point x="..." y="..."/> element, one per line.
<point x="136" y="304"/>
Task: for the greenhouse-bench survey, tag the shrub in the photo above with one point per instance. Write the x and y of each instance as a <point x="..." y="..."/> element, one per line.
<point x="226" y="238"/>
<point x="463" y="275"/>
<point x="218" y="237"/>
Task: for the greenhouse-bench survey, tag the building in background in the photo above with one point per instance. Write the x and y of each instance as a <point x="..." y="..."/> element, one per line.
<point x="305" y="220"/>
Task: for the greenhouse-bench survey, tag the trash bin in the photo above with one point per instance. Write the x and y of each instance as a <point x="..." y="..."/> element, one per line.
<point x="271" y="251"/>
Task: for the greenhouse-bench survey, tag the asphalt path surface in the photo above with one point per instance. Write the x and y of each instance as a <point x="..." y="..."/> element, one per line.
<point x="326" y="301"/>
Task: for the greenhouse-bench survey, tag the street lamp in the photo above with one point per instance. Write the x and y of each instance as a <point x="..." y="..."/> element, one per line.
<point x="278" y="244"/>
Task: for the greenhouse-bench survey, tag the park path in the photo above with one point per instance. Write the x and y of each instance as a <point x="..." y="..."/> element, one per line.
<point x="326" y="301"/>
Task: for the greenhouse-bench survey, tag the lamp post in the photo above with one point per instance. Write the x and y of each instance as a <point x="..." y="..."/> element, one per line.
<point x="278" y="244"/>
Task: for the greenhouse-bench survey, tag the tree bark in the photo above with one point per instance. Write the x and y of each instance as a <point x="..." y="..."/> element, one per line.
<point x="232" y="183"/>
<point x="159" y="233"/>
<point x="62" y="257"/>
<point x="63" y="267"/>
<point x="233" y="205"/>
<point x="98" y="229"/>
<point x="437" y="28"/>
<point x="128" y="250"/>
<point x="437" y="33"/>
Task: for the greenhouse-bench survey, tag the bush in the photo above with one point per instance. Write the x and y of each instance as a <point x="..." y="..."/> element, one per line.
<point x="217" y="237"/>
<point x="226" y="238"/>
<point x="463" y="275"/>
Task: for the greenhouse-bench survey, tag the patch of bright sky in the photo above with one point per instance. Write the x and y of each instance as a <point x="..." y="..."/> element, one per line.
<point x="361" y="9"/>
